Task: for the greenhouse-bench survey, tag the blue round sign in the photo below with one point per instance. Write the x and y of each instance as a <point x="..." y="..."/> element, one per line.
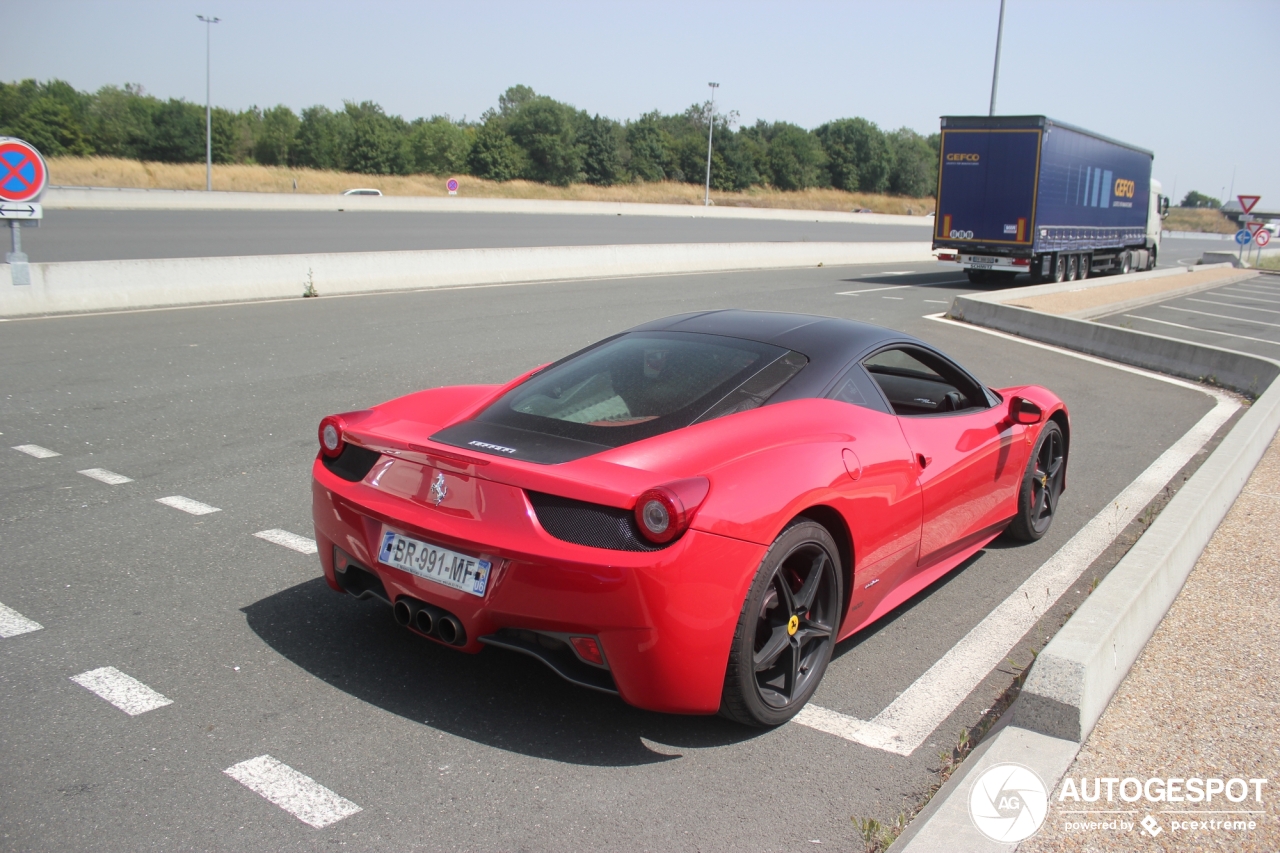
<point x="1243" y="236"/>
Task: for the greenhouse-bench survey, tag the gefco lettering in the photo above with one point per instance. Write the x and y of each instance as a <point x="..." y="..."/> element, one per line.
<point x="1124" y="188"/>
<point x="956" y="157"/>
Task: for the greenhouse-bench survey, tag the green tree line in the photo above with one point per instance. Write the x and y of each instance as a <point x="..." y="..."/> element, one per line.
<point x="528" y="136"/>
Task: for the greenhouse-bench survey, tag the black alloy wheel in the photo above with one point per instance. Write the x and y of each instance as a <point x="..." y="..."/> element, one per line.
<point x="1041" y="486"/>
<point x="787" y="629"/>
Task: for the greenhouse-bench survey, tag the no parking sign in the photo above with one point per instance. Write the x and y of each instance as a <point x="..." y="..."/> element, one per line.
<point x="23" y="174"/>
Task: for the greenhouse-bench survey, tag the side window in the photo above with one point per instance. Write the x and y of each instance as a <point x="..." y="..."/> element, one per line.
<point x="919" y="383"/>
<point x="857" y="389"/>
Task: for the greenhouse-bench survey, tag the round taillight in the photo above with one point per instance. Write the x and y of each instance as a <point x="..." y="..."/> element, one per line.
<point x="663" y="513"/>
<point x="331" y="436"/>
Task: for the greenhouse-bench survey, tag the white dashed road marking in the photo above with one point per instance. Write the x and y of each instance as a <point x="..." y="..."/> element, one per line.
<point x="13" y="623"/>
<point x="126" y="693"/>
<point x="37" y="451"/>
<point x="102" y="475"/>
<point x="299" y="795"/>
<point x="301" y="544"/>
<point x="187" y="505"/>
<point x="873" y="290"/>
<point x="926" y="704"/>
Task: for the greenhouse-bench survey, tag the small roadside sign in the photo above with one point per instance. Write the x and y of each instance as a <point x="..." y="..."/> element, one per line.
<point x="1243" y="237"/>
<point x="1255" y="227"/>
<point x="12" y="210"/>
<point x="1248" y="202"/>
<point x="1262" y="238"/>
<point x="23" y="173"/>
<point x="452" y="186"/>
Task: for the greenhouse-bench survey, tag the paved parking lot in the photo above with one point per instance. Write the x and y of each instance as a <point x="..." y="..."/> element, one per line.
<point x="1244" y="316"/>
<point x="176" y="675"/>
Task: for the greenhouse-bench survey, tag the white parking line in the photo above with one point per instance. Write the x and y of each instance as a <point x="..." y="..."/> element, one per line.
<point x="102" y="475"/>
<point x="1219" y="316"/>
<point x="938" y="301"/>
<point x="899" y="298"/>
<point x="895" y="272"/>
<point x="301" y="544"/>
<point x="37" y="451"/>
<point x="187" y="505"/>
<point x="903" y="726"/>
<point x="873" y="290"/>
<point x="13" y="623"/>
<point x="125" y="692"/>
<point x="1234" y="305"/>
<point x="1235" y="294"/>
<point x="299" y="795"/>
<point x="1198" y="329"/>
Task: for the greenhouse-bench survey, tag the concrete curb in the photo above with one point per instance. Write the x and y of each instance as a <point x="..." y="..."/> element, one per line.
<point x="1199" y="362"/>
<point x="1074" y="677"/>
<point x="96" y="198"/>
<point x="72" y="287"/>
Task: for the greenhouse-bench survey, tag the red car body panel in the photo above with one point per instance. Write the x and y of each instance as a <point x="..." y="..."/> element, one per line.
<point x="665" y="618"/>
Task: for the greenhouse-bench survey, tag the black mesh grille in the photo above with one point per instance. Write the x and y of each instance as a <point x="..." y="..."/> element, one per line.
<point x="352" y="463"/>
<point x="589" y="524"/>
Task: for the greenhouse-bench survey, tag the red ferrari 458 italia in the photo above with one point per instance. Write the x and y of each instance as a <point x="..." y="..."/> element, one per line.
<point x="689" y="514"/>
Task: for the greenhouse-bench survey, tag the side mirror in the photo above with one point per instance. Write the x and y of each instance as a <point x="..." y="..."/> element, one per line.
<point x="1164" y="206"/>
<point x="1023" y="411"/>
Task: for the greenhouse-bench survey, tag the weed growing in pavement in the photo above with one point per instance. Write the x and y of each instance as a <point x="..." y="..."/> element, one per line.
<point x="310" y="289"/>
<point x="877" y="836"/>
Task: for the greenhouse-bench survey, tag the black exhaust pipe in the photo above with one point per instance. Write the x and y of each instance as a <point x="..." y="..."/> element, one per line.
<point x="450" y="630"/>
<point x="426" y="619"/>
<point x="405" y="610"/>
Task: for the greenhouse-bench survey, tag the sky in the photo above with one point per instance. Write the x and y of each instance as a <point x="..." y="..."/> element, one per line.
<point x="1191" y="81"/>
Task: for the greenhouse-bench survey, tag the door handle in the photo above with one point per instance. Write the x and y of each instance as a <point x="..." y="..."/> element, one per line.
<point x="923" y="460"/>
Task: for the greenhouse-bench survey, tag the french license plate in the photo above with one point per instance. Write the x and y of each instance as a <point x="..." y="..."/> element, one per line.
<point x="454" y="570"/>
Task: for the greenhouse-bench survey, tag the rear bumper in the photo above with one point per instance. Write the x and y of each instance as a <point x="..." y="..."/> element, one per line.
<point x="665" y="619"/>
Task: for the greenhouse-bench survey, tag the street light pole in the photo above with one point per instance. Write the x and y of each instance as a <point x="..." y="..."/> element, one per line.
<point x="208" y="106"/>
<point x="711" y="126"/>
<point x="995" y="74"/>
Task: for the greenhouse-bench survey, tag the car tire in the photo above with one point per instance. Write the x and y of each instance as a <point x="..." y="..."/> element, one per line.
<point x="787" y="628"/>
<point x="1041" y="486"/>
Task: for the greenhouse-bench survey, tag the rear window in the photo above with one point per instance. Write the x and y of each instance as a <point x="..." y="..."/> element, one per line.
<point x="644" y="384"/>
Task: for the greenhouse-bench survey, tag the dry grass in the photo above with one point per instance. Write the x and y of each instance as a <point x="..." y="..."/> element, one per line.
<point x="1198" y="219"/>
<point x="111" y="172"/>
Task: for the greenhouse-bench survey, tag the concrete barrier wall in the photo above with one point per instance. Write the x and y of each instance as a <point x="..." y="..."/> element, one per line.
<point x="92" y="198"/>
<point x="58" y="288"/>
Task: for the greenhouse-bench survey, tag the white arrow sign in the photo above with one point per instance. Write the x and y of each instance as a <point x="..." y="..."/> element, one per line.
<point x="21" y="210"/>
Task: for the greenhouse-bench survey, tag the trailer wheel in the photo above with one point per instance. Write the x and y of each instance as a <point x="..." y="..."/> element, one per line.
<point x="1086" y="266"/>
<point x="1073" y="267"/>
<point x="1059" y="268"/>
<point x="1126" y="264"/>
<point x="977" y="276"/>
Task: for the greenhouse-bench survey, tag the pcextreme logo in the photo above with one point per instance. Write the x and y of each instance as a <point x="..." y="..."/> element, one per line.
<point x="962" y="158"/>
<point x="1124" y="188"/>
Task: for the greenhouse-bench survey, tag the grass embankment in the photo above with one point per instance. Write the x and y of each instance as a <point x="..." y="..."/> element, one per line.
<point x="111" y="172"/>
<point x="1198" y="219"/>
<point x="1269" y="261"/>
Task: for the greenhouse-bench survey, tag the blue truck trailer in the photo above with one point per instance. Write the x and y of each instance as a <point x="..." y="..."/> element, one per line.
<point x="1027" y="194"/>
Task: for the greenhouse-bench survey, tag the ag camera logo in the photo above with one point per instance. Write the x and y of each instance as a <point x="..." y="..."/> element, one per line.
<point x="1008" y="803"/>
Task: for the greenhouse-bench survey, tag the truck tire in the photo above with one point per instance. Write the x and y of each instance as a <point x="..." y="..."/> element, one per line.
<point x="1151" y="258"/>
<point x="1126" y="263"/>
<point x="978" y="276"/>
<point x="1059" y="268"/>
<point x="1086" y="266"/>
<point x="1073" y="267"/>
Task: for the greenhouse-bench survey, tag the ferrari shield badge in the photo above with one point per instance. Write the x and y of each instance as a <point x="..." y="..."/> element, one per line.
<point x="438" y="491"/>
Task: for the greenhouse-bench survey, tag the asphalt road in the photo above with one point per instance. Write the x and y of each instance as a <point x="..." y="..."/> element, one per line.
<point x="97" y="235"/>
<point x="1244" y="316"/>
<point x="441" y="751"/>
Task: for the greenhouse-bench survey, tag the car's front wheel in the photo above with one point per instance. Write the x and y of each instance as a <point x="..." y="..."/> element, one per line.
<point x="1041" y="486"/>
<point x="787" y="628"/>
